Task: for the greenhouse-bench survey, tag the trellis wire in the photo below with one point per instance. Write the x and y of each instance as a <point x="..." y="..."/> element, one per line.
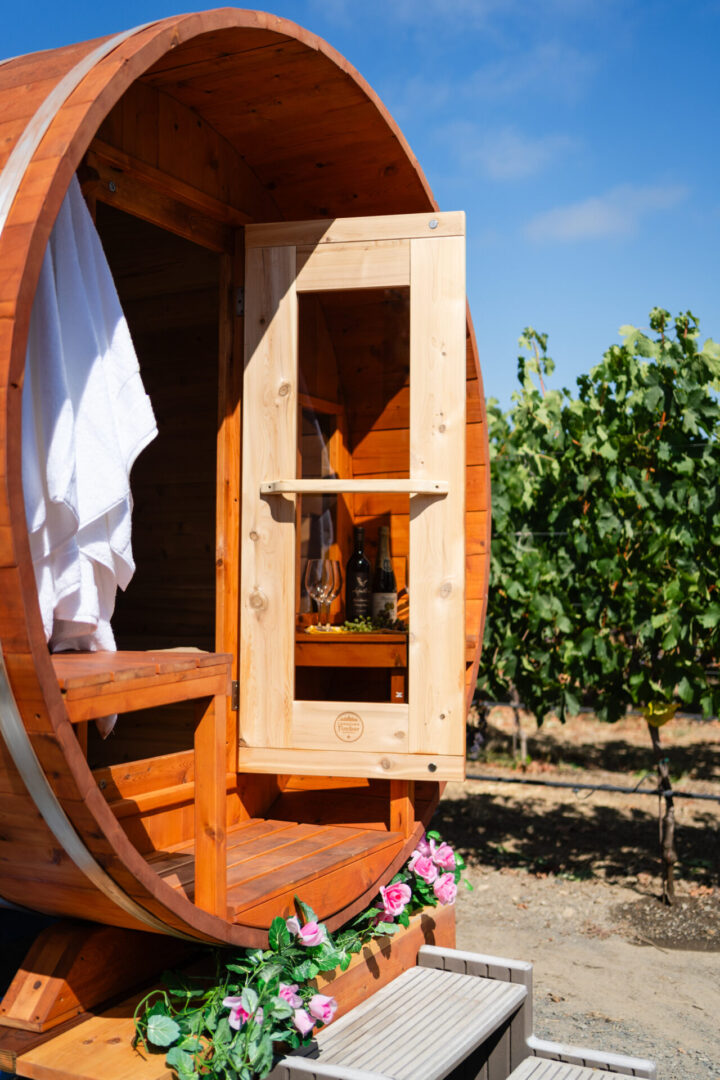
<point x="670" y="794"/>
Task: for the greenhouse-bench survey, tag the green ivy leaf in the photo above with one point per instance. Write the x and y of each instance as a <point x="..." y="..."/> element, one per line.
<point x="162" y="1030"/>
<point x="182" y="1061"/>
<point x="278" y="934"/>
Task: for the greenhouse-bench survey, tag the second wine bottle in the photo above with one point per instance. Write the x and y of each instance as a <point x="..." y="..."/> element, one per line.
<point x="384" y="585"/>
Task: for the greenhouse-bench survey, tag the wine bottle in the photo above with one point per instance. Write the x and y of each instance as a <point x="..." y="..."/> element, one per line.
<point x="384" y="586"/>
<point x="357" y="579"/>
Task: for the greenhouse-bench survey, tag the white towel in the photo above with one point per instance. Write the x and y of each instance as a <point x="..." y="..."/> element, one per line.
<point x="86" y="417"/>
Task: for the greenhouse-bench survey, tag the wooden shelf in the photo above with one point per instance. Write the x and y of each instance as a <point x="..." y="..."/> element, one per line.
<point x="333" y="649"/>
<point x="371" y="486"/>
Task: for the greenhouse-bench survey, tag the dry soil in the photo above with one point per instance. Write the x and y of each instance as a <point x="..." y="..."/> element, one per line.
<point x="570" y="880"/>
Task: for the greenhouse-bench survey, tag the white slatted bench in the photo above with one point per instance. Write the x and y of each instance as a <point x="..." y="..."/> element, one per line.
<point x="535" y="1068"/>
<point x="418" y="1027"/>
<point x="456" y="1013"/>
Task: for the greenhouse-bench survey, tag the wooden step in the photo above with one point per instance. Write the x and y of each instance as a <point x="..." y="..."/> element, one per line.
<point x="269" y="861"/>
<point x="418" y="1027"/>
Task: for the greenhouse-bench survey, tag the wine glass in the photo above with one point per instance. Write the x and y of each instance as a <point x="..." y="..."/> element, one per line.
<point x="323" y="581"/>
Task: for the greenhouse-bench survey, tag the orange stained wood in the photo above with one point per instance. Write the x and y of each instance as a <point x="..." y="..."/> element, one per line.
<point x="70" y="968"/>
<point x="95" y="684"/>
<point x="230" y="107"/>
<point x="270" y="861"/>
<point x="350" y="650"/>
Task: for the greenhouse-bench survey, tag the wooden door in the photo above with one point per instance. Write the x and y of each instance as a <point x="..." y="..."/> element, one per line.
<point x="423" y="738"/>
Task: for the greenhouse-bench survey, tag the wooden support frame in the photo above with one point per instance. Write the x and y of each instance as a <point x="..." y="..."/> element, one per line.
<point x="73" y="966"/>
<point x="211" y="808"/>
<point x="400" y="740"/>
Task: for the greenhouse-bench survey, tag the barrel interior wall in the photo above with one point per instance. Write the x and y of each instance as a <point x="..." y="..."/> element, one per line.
<point x="371" y="329"/>
<point x="305" y="125"/>
<point x="144" y="734"/>
<point x="153" y="799"/>
<point x="169" y="290"/>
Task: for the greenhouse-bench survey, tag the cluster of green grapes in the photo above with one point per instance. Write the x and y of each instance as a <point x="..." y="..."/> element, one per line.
<point x="371" y="624"/>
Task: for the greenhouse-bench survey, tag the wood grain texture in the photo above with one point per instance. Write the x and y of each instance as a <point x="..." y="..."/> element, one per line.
<point x="356" y="229"/>
<point x="72" y="967"/>
<point x="210" y="808"/>
<point x="362" y="727"/>
<point x="370" y="264"/>
<point x="348" y="763"/>
<point x="101" y="1045"/>
<point x="267" y="592"/>
<point x="436" y="651"/>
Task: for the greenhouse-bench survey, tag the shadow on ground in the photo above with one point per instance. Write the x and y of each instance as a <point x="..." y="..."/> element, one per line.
<point x="573" y="840"/>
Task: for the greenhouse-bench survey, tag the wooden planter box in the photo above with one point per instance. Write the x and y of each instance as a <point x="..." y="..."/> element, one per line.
<point x="99" y="1047"/>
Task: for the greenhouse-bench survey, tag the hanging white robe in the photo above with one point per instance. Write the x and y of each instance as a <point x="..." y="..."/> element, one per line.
<point x="86" y="417"/>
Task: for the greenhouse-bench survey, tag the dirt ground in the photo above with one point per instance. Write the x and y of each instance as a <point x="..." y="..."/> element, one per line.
<point x="570" y="880"/>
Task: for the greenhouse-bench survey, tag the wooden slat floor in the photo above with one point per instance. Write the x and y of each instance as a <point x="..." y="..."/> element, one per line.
<point x="267" y="858"/>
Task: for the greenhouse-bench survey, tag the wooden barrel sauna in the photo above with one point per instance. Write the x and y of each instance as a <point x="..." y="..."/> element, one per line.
<point x="236" y="166"/>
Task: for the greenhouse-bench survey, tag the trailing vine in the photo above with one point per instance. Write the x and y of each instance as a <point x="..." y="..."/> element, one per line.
<point x="234" y="1024"/>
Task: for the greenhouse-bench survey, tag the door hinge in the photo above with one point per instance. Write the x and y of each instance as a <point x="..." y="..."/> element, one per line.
<point x="240" y="300"/>
<point x="234" y="696"/>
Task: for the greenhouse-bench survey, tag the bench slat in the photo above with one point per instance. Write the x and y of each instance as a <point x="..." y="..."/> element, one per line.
<point x="396" y="1033"/>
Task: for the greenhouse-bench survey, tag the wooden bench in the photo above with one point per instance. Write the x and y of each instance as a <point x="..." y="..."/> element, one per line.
<point x="100" y="683"/>
<point x="421" y="1026"/>
<point x="536" y="1068"/>
<point x="95" y="684"/>
<point x="455" y="1011"/>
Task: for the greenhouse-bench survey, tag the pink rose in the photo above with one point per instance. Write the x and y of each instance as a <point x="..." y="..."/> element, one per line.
<point x="445" y="889"/>
<point x="425" y="847"/>
<point x="444" y="857"/>
<point x="394" y="898"/>
<point x="303" y="1021"/>
<point x="322" y="1007"/>
<point x="238" y="1015"/>
<point x="424" y="867"/>
<point x="312" y="933"/>
<point x="289" y="993"/>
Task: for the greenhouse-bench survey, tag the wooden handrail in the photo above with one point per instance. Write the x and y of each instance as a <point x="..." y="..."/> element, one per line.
<point x="369" y="486"/>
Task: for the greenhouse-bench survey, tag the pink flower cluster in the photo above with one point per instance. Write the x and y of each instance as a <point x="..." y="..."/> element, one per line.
<point x="428" y="861"/>
<point x="238" y="1015"/>
<point x="320" y="1007"/>
<point x="435" y="864"/>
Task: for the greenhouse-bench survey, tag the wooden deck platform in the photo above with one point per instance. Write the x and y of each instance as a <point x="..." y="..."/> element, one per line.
<point x="269" y="861"/>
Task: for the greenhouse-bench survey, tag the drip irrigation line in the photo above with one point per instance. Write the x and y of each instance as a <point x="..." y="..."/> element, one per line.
<point x="670" y="794"/>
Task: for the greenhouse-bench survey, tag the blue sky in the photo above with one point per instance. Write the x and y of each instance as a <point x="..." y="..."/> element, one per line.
<point x="580" y="137"/>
